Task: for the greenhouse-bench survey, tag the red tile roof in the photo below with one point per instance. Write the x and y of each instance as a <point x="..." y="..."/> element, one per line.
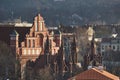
<point x="95" y="74"/>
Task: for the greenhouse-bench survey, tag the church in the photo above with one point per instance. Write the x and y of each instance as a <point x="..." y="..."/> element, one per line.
<point x="44" y="47"/>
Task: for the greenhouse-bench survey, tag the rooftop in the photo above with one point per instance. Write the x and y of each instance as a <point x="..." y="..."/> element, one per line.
<point x="95" y="74"/>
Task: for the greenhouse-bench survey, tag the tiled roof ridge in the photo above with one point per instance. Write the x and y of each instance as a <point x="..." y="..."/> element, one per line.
<point x="105" y="73"/>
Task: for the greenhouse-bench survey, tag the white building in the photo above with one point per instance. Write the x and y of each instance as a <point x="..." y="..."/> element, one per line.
<point x="110" y="43"/>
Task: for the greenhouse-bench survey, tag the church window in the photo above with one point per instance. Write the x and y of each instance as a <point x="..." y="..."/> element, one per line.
<point x="33" y="43"/>
<point x="41" y="40"/>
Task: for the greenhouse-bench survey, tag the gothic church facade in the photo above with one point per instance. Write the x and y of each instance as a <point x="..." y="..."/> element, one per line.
<point x="43" y="42"/>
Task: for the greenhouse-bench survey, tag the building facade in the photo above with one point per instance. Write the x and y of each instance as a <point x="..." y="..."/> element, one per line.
<point x="110" y="44"/>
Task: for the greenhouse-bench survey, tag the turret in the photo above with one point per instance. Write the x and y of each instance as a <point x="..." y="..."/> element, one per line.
<point x="73" y="50"/>
<point x="93" y="48"/>
<point x="47" y="51"/>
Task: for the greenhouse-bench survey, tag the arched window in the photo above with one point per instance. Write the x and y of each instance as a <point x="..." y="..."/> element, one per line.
<point x="113" y="47"/>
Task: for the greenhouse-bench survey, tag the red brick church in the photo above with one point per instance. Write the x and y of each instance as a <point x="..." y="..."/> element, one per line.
<point x="44" y="47"/>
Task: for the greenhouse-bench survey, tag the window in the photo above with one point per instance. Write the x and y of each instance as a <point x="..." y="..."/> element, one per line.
<point x="113" y="47"/>
<point x="102" y="47"/>
<point x="29" y="43"/>
<point x="118" y="47"/>
<point x="33" y="43"/>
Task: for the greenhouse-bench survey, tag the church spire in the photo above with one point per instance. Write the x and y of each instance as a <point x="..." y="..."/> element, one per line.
<point x="73" y="50"/>
<point x="47" y="45"/>
<point x="93" y="59"/>
<point x="61" y="57"/>
<point x="93" y="46"/>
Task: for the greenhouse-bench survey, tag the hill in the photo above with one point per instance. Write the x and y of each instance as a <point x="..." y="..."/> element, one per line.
<point x="67" y="12"/>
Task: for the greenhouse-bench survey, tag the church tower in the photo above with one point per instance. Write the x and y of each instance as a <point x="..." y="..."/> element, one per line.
<point x="14" y="38"/>
<point x="74" y="52"/>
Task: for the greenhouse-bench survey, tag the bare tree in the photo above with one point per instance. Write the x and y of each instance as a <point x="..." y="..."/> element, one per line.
<point x="7" y="62"/>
